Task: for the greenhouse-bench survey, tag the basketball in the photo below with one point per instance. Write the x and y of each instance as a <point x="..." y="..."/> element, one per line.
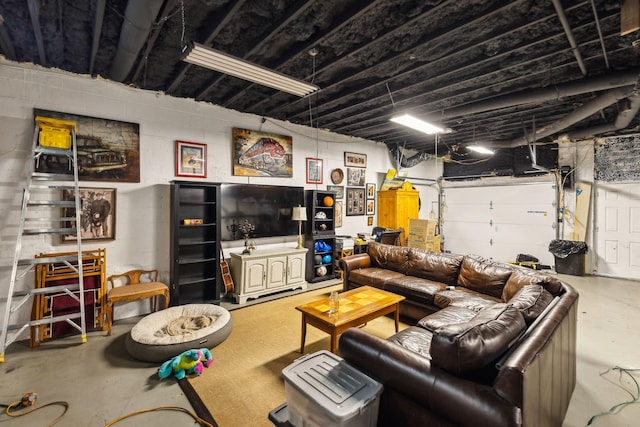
<point x="328" y="201"/>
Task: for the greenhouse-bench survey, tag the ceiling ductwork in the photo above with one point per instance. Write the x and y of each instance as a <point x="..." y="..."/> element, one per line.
<point x="588" y="109"/>
<point x="627" y="112"/>
<point x="138" y="21"/>
<point x="406" y="162"/>
<point x="578" y="87"/>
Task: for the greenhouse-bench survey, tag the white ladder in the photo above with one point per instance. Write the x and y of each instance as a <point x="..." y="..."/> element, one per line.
<point x="48" y="142"/>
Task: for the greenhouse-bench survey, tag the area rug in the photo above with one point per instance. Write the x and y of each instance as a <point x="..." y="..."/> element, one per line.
<point x="244" y="382"/>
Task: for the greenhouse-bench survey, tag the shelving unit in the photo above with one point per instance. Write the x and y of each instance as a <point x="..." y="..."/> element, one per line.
<point x="320" y="238"/>
<point x="195" y="254"/>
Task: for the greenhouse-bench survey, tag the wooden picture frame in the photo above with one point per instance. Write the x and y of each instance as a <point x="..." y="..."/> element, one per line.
<point x="339" y="190"/>
<point x="191" y="159"/>
<point x="371" y="191"/>
<point x="98" y="216"/>
<point x="355" y="201"/>
<point x="369" y="221"/>
<point x="355" y="160"/>
<point x="356" y="177"/>
<point x="314" y="170"/>
<point x="371" y="207"/>
<point x="338" y="214"/>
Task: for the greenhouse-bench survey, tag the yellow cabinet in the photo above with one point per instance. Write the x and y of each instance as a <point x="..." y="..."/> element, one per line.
<point x="396" y="208"/>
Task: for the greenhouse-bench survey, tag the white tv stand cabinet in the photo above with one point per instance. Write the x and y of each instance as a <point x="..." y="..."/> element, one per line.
<point x="267" y="271"/>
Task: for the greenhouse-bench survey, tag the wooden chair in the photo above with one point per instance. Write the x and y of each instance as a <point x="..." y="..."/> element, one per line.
<point x="133" y="289"/>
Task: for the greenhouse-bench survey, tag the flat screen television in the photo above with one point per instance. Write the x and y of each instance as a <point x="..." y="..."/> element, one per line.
<point x="267" y="207"/>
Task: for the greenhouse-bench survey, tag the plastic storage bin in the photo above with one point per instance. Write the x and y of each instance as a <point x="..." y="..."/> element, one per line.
<point x="323" y="390"/>
<point x="55" y="133"/>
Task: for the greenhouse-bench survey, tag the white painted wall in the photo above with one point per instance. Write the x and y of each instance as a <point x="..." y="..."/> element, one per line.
<point x="142" y="209"/>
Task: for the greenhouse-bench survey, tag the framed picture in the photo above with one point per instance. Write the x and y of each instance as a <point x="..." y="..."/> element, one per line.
<point x="355" y="160"/>
<point x="191" y="159"/>
<point x="369" y="221"/>
<point x="339" y="189"/>
<point x="338" y="214"/>
<point x="98" y="216"/>
<point x="356" y="177"/>
<point x="262" y="154"/>
<point x="314" y="171"/>
<point x="371" y="191"/>
<point x="371" y="207"/>
<point x="114" y="143"/>
<point x="355" y="201"/>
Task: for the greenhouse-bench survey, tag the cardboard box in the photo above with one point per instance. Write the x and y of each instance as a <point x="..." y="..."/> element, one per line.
<point x="421" y="233"/>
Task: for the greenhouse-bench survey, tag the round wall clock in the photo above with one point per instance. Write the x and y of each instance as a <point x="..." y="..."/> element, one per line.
<point x="337" y="176"/>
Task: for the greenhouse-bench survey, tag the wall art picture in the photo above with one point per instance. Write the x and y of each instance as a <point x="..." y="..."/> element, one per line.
<point x="262" y="154"/>
<point x="314" y="171"/>
<point x="355" y="201"/>
<point x="338" y="214"/>
<point x="191" y="159"/>
<point x="98" y="216"/>
<point x="355" y="160"/>
<point x="371" y="191"/>
<point x="371" y="207"/>
<point x="356" y="177"/>
<point x="339" y="189"/>
<point x="107" y="150"/>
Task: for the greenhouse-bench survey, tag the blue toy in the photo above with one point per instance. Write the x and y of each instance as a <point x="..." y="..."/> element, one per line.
<point x="189" y="362"/>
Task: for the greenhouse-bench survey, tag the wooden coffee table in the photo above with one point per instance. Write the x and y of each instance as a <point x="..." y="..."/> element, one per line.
<point x="357" y="307"/>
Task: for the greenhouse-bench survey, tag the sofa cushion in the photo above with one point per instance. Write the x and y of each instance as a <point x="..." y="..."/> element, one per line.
<point x="446" y="316"/>
<point x="436" y="266"/>
<point x="465" y="347"/>
<point x="463" y="297"/>
<point x="374" y="276"/>
<point x="531" y="300"/>
<point x="483" y="275"/>
<point x="388" y="256"/>
<point x="415" y="339"/>
<point x="414" y="288"/>
<point x="523" y="276"/>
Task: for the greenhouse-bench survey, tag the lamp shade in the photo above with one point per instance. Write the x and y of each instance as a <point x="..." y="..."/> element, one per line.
<point x="299" y="213"/>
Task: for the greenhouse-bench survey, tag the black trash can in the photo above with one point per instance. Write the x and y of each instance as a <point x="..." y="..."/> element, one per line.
<point x="569" y="256"/>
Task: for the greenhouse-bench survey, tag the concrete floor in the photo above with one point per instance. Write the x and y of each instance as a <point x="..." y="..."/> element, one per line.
<point x="101" y="382"/>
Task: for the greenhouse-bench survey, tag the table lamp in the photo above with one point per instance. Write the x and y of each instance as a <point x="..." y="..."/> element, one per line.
<point x="299" y="214"/>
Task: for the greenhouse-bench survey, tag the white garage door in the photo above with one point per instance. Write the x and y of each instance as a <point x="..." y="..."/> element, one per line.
<point x="500" y="222"/>
<point x="618" y="230"/>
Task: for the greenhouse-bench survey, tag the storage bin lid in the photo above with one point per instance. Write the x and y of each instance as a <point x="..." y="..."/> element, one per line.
<point x="333" y="384"/>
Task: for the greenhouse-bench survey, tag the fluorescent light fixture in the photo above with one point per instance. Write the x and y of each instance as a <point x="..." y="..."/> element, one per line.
<point x="219" y="61"/>
<point x="480" y="149"/>
<point x="417" y="124"/>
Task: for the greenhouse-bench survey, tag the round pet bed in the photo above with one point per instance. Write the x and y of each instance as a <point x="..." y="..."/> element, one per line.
<point x="164" y="334"/>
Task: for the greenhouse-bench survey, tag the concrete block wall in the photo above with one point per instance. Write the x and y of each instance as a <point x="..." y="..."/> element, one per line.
<point x="142" y="209"/>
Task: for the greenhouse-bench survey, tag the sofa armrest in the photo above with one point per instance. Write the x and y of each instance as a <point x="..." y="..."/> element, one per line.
<point x="353" y="262"/>
<point x="464" y="402"/>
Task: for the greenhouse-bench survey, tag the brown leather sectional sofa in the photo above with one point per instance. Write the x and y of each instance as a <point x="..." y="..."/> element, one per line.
<point x="493" y="344"/>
